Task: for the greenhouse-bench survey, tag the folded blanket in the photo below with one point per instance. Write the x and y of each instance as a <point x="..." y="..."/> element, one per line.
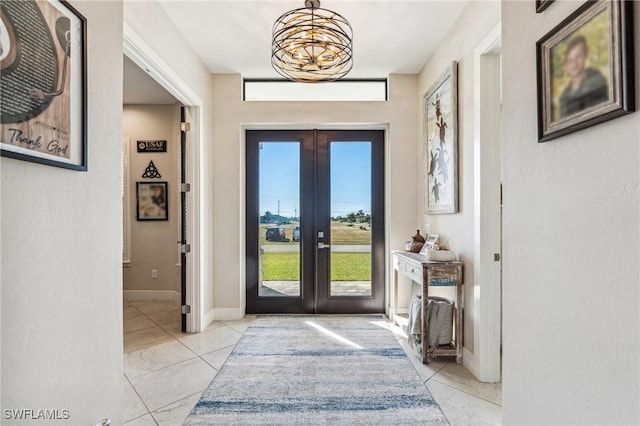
<point x="414" y="331"/>
<point x="440" y="313"/>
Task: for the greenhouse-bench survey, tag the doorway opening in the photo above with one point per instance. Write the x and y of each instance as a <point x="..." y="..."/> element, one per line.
<point x="140" y="53"/>
<point x="486" y="360"/>
<point x="153" y="204"/>
<point x="315" y="221"/>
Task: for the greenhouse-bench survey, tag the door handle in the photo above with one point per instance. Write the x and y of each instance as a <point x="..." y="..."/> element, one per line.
<point x="323" y="245"/>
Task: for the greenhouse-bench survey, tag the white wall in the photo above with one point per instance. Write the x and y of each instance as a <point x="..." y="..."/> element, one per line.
<point x="150" y="22"/>
<point x="61" y="257"/>
<point x="153" y="243"/>
<point x="571" y="276"/>
<point x="230" y="114"/>
<point x="477" y="20"/>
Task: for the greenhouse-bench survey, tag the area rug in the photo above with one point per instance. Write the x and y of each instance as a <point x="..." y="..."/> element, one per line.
<point x="315" y="370"/>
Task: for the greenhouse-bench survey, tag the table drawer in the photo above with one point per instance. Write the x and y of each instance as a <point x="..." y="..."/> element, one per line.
<point x="411" y="270"/>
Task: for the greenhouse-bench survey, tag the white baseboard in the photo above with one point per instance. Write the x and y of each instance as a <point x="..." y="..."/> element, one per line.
<point x="470" y="362"/>
<point x="221" y="314"/>
<point x="207" y="318"/>
<point x="151" y="295"/>
<point x="227" y="314"/>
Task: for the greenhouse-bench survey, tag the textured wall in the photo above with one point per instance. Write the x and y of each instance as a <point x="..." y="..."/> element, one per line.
<point x="61" y="257"/>
<point x="571" y="251"/>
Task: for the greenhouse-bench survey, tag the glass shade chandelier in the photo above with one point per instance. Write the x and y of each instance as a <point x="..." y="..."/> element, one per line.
<point x="311" y="44"/>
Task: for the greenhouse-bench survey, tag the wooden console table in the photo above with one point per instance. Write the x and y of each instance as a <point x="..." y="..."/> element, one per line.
<point x="426" y="273"/>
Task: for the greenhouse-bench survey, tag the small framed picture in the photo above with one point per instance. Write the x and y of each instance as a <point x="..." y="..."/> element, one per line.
<point x="431" y="240"/>
<point x="152" y="201"/>
<point x="585" y="69"/>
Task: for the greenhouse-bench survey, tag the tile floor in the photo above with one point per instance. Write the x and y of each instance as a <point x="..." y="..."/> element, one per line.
<point x="166" y="371"/>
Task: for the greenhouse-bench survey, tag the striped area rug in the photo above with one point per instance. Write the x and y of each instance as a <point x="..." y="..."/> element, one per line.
<point x="314" y="370"/>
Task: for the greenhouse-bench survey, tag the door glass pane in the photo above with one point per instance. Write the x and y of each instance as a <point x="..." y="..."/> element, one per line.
<point x="279" y="223"/>
<point x="350" y="219"/>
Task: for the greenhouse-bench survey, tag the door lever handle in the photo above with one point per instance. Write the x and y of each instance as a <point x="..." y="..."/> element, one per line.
<point x="322" y="245"/>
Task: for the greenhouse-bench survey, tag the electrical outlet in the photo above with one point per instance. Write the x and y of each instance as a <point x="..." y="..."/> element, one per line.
<point x="154" y="273"/>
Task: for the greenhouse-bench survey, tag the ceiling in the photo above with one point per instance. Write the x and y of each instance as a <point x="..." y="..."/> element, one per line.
<point x="140" y="88"/>
<point x="234" y="36"/>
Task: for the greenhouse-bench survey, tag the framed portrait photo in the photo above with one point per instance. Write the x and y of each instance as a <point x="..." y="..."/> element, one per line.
<point x="585" y="69"/>
<point x="43" y="105"/>
<point x="152" y="200"/>
<point x="441" y="144"/>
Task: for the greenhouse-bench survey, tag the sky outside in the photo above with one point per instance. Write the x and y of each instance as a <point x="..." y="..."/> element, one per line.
<point x="280" y="178"/>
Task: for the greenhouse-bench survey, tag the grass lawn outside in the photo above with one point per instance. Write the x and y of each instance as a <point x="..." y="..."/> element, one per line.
<point x="341" y="233"/>
<point x="344" y="266"/>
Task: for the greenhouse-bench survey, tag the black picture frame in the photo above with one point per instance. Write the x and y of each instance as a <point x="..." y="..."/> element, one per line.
<point x="542" y="5"/>
<point x="44" y="123"/>
<point x="585" y="69"/>
<point x="152" y="201"/>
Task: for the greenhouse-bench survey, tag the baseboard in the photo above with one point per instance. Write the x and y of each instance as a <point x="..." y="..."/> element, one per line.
<point x="151" y="295"/>
<point x="470" y="362"/>
<point x="207" y="318"/>
<point x="227" y="314"/>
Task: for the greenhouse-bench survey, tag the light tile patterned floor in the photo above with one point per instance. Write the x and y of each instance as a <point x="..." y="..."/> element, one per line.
<point x="166" y="371"/>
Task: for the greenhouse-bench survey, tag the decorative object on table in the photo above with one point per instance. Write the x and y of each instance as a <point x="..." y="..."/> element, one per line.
<point x="152" y="146"/>
<point x="585" y="69"/>
<point x="151" y="172"/>
<point x="433" y="252"/>
<point x="381" y="386"/>
<point x="441" y="144"/>
<point x="43" y="104"/>
<point x="312" y="44"/>
<point x="439" y="255"/>
<point x="152" y="200"/>
<point x="541" y="5"/>
<point x="416" y="243"/>
<point x="432" y="242"/>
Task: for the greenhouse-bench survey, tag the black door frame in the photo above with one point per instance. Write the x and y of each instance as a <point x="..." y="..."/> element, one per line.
<point x="183" y="222"/>
<point x="314" y="298"/>
<point x="325" y="303"/>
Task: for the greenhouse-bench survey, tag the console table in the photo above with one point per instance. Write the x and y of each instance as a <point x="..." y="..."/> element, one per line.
<point x="426" y="273"/>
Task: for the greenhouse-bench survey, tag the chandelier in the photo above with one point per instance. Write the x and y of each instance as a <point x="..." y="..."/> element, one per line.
<point x="311" y="44"/>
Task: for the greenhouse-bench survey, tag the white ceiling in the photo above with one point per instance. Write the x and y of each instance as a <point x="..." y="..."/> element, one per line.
<point x="140" y="88"/>
<point x="234" y="36"/>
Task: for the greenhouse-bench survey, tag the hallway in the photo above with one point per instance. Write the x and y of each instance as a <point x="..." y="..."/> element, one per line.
<point x="166" y="371"/>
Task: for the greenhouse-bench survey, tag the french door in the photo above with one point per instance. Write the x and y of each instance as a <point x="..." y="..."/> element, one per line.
<point x="315" y="221"/>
